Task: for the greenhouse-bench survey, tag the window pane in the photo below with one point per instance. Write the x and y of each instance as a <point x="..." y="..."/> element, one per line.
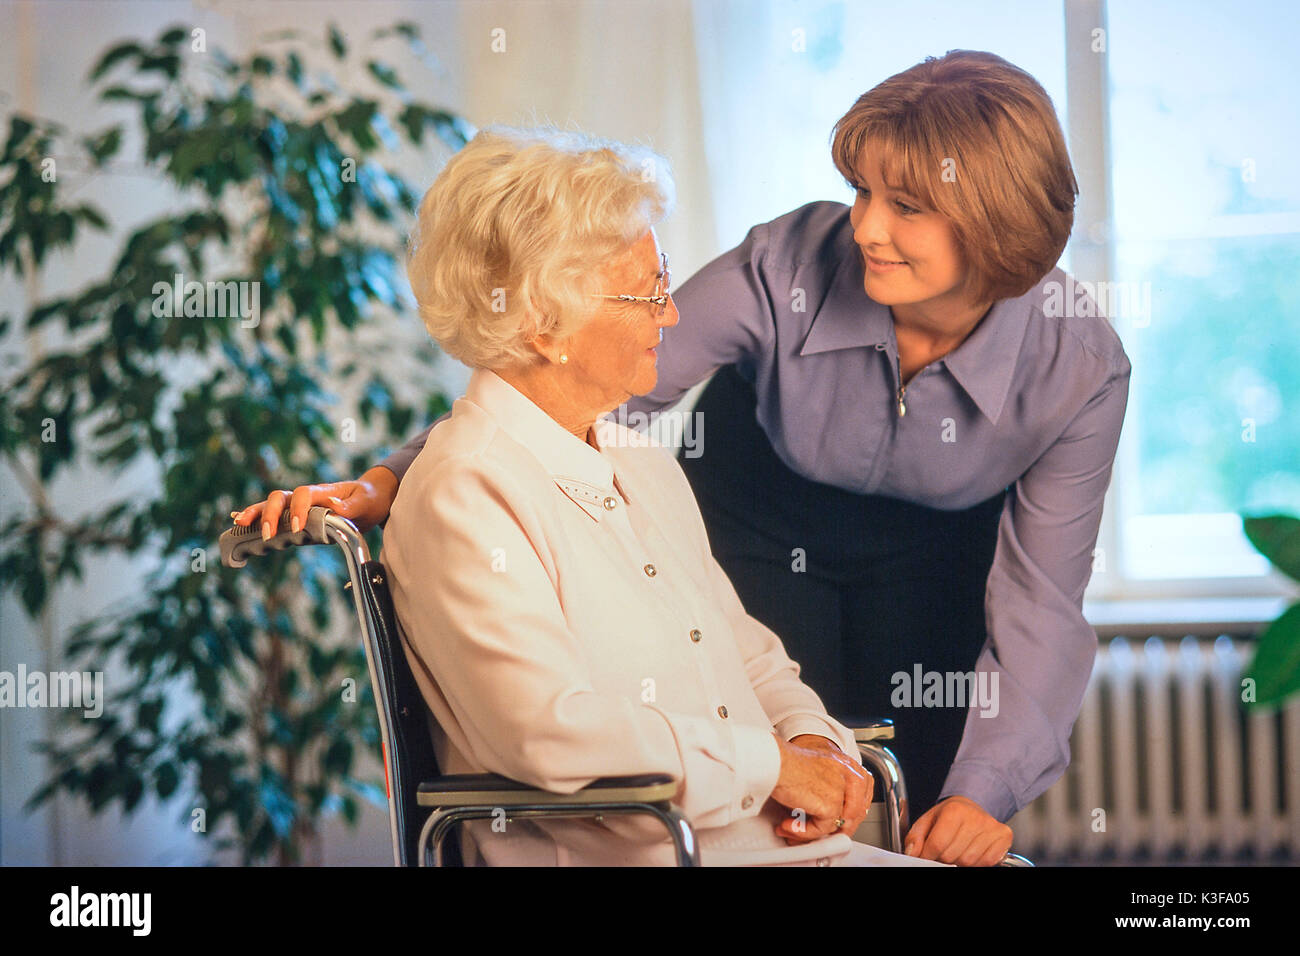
<point x="1207" y="218"/>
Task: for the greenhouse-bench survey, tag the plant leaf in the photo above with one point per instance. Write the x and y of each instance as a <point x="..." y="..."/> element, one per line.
<point x="107" y="61"/>
<point x="384" y="74"/>
<point x="1276" y="537"/>
<point x="173" y="36"/>
<point x="337" y="44"/>
<point x="1275" y="666"/>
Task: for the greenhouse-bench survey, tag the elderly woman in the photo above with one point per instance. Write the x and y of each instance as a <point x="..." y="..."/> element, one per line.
<point x="563" y="614"/>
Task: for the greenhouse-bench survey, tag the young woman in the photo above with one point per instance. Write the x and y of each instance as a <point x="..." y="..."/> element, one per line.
<point x="908" y="439"/>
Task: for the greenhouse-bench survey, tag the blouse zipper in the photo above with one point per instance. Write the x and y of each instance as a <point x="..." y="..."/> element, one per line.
<point x="902" y="389"/>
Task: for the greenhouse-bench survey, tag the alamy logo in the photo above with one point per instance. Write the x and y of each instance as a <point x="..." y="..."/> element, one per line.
<point x="229" y="299"/>
<point x="947" y="689"/>
<point x="672" y="428"/>
<point x="57" y="689"/>
<point x="102" y="909"/>
<point x="1086" y="300"/>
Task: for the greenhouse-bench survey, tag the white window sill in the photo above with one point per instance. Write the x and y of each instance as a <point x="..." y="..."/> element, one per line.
<point x="1202" y="617"/>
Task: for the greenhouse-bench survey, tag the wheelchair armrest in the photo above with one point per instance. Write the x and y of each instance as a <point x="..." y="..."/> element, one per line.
<point x="470" y="796"/>
<point x="494" y="790"/>
<point x="865" y="731"/>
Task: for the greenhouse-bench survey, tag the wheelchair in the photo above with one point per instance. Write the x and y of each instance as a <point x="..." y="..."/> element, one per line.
<point x="424" y="807"/>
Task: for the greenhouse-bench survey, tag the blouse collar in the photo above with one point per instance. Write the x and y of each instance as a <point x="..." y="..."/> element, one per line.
<point x="983" y="365"/>
<point x="584" y="474"/>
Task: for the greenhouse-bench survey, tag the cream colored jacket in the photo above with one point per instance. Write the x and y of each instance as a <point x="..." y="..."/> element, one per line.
<point x="565" y="620"/>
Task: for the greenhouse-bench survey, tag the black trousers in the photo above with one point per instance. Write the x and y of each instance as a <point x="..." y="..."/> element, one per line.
<point x="858" y="587"/>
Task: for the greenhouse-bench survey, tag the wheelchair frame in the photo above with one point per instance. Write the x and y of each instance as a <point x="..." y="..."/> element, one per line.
<point x="414" y="785"/>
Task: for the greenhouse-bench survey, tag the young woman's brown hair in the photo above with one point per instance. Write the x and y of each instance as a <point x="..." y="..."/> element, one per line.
<point x="976" y="140"/>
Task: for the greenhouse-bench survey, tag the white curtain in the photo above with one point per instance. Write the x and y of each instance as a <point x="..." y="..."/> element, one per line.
<point x="625" y="70"/>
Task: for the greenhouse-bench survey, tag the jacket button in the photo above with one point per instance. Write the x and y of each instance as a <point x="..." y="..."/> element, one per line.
<point x="650" y="571"/>
<point x="746" y="803"/>
<point x="611" y="503"/>
<point x="696" y="636"/>
<point x="722" y="712"/>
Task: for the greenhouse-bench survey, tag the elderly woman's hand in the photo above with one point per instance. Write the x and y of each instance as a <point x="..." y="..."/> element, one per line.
<point x="822" y="787"/>
<point x="365" y="502"/>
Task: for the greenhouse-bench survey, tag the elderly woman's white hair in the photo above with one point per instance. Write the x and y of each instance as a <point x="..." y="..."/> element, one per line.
<point x="510" y="235"/>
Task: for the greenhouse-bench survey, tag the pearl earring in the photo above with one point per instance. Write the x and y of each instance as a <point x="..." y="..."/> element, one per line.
<point x="563" y="358"/>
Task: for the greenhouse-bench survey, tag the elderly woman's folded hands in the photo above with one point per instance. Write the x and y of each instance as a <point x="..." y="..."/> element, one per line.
<point x="826" y="790"/>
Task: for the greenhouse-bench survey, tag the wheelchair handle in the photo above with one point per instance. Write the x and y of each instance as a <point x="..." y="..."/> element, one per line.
<point x="238" y="544"/>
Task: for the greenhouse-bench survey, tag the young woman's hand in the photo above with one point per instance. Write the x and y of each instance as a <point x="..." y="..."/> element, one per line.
<point x="822" y="787"/>
<point x="958" y="830"/>
<point x="365" y="502"/>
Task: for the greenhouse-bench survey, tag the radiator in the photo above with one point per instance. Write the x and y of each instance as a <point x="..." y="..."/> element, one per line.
<point x="1167" y="767"/>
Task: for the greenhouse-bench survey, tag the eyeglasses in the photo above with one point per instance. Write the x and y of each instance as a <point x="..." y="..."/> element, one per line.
<point x="663" y="282"/>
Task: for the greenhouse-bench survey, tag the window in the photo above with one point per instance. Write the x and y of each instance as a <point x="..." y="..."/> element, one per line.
<point x="1205" y="224"/>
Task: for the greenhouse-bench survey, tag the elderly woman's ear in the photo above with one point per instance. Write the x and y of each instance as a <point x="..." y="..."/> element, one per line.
<point x="549" y="348"/>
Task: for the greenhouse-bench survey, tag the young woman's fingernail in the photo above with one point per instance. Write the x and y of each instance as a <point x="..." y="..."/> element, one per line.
<point x="293" y="524"/>
<point x="266" y="531"/>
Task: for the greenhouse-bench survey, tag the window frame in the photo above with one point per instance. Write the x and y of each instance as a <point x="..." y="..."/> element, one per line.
<point x="1092" y="254"/>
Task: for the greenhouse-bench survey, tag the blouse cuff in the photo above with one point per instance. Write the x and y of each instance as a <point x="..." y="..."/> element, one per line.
<point x="758" y="767"/>
<point x="982" y="784"/>
<point x="837" y="734"/>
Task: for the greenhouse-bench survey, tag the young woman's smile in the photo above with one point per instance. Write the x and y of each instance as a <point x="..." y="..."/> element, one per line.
<point x="880" y="264"/>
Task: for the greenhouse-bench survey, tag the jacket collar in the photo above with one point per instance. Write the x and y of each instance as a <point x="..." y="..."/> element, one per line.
<point x="584" y="474"/>
<point x="983" y="365"/>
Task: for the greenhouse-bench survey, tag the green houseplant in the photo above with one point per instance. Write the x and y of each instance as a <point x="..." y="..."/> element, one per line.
<point x="1275" y="666"/>
<point x="293" y="235"/>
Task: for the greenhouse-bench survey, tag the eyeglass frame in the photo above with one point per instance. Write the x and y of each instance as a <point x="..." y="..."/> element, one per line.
<point x="662" y="281"/>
